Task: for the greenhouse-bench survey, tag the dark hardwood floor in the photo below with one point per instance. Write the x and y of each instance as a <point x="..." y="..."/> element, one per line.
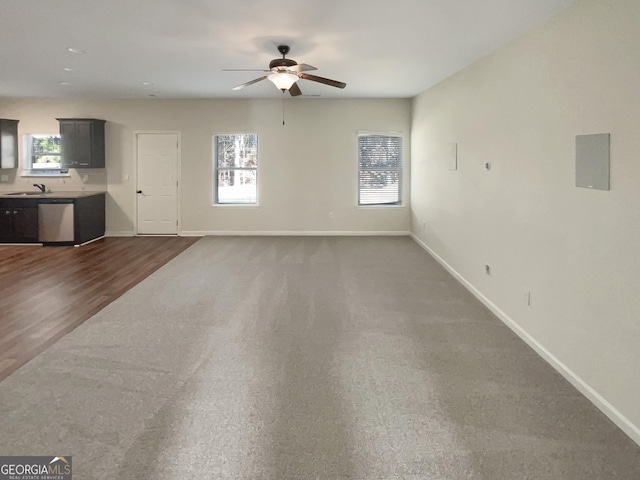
<point x="46" y="292"/>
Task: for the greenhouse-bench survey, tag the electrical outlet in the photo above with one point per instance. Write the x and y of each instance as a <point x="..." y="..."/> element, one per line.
<point x="526" y="297"/>
<point x="487" y="269"/>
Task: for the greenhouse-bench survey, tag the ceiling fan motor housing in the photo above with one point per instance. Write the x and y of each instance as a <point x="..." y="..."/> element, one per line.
<point x="281" y="63"/>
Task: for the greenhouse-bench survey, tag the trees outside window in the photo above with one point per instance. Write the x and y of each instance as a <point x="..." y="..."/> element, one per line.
<point x="236" y="169"/>
<point x="42" y="154"/>
<point x="379" y="169"/>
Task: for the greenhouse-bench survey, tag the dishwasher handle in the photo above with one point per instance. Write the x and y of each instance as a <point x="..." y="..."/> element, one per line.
<point x="55" y="200"/>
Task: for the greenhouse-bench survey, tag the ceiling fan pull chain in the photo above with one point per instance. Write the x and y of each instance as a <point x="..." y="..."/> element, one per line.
<point x="282" y="107"/>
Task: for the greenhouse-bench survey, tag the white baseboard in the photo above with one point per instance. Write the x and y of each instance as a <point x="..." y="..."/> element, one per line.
<point x="594" y="397"/>
<point x="288" y="233"/>
<point x="134" y="234"/>
<point x="90" y="241"/>
<point x="283" y="233"/>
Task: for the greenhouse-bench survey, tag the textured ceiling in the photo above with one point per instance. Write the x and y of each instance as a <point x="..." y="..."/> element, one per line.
<point x="381" y="49"/>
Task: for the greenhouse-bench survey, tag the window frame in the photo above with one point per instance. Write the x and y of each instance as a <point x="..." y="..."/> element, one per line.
<point x="216" y="169"/>
<point x="400" y="169"/>
<point x="28" y="158"/>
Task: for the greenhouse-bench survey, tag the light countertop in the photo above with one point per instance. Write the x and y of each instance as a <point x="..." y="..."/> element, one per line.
<point x="36" y="195"/>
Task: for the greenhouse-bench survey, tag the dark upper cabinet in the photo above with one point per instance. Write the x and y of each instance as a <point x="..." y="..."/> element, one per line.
<point x="82" y="141"/>
<point x="8" y="143"/>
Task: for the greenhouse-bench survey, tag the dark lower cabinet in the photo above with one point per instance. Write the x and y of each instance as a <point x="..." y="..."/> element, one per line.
<point x="73" y="221"/>
<point x="26" y="224"/>
<point x="88" y="218"/>
<point x="18" y="221"/>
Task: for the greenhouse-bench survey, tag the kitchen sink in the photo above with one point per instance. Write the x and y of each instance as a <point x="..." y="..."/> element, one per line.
<point x="26" y="193"/>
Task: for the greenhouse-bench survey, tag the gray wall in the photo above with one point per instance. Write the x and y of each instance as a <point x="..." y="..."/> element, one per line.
<point x="307" y="168"/>
<point x="576" y="250"/>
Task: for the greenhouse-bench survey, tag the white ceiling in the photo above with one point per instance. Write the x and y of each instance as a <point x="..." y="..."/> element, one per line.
<point x="380" y="48"/>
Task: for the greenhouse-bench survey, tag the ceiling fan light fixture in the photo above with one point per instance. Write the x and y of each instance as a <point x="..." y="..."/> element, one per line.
<point x="284" y="73"/>
<point x="283" y="80"/>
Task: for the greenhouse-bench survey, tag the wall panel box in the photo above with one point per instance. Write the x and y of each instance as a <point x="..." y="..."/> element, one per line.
<point x="592" y="161"/>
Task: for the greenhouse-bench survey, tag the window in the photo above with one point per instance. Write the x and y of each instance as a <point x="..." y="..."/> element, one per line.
<point x="236" y="169"/>
<point x="379" y="169"/>
<point x="42" y="155"/>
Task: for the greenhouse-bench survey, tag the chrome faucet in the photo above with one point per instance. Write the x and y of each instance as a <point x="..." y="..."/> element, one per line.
<point x="41" y="186"/>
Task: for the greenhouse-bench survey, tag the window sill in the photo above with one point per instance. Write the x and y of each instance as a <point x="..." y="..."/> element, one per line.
<point x="380" y="206"/>
<point x="234" y="205"/>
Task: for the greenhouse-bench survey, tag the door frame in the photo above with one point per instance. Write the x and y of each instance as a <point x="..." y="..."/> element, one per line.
<point x="134" y="176"/>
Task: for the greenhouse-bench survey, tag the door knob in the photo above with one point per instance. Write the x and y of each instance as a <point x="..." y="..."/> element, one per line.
<point x="139" y="191"/>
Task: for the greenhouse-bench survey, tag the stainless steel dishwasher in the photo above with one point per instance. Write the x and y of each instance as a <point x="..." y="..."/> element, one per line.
<point x="55" y="220"/>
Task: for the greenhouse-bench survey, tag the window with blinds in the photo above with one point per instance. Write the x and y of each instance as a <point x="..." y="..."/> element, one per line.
<point x="236" y="169"/>
<point x="42" y="155"/>
<point x="379" y="169"/>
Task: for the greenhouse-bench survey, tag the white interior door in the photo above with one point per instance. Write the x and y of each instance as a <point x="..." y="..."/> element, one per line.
<point x="157" y="190"/>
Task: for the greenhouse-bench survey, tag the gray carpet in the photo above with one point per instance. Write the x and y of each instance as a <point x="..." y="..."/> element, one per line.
<point x="305" y="358"/>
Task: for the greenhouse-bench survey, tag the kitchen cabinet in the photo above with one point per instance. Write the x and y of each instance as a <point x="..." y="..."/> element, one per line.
<point x="88" y="218"/>
<point x="71" y="221"/>
<point x="8" y="143"/>
<point x="82" y="142"/>
<point x="63" y="218"/>
<point x="18" y="220"/>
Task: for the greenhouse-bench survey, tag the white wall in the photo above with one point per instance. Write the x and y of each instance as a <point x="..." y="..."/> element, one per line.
<point x="307" y="168"/>
<point x="577" y="250"/>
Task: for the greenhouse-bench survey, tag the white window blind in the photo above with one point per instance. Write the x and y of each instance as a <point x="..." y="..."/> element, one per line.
<point x="379" y="169"/>
<point x="236" y="169"/>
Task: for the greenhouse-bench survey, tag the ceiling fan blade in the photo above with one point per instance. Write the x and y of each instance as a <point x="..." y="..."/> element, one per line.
<point x="294" y="90"/>
<point x="244" y="70"/>
<point x="326" y="81"/>
<point x="251" y="82"/>
<point x="301" y="67"/>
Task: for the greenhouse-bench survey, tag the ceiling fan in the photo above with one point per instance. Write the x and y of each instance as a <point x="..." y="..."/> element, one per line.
<point x="285" y="73"/>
